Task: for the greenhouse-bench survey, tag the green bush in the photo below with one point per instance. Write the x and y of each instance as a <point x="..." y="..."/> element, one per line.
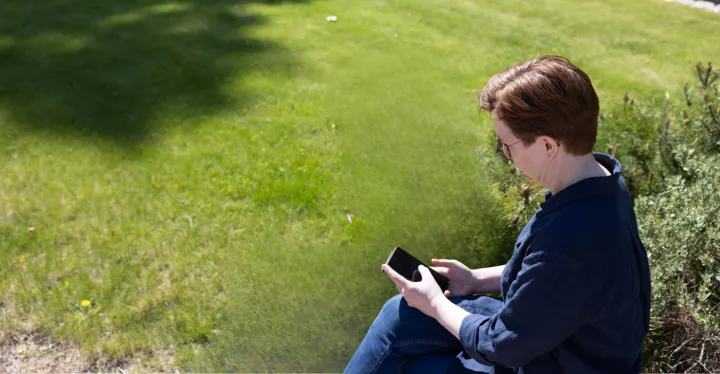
<point x="646" y="136"/>
<point x="681" y="231"/>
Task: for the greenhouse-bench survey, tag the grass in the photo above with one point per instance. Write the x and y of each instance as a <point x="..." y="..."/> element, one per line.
<point x="222" y="179"/>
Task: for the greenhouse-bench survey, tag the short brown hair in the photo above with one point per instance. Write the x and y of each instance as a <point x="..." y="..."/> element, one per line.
<point x="549" y="96"/>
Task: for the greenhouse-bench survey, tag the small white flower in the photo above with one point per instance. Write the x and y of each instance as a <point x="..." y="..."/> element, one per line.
<point x="331" y="18"/>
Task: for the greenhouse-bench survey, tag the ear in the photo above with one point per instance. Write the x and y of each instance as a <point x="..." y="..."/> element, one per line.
<point x="552" y="146"/>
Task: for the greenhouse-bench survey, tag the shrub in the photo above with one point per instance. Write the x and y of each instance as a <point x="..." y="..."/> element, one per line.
<point x="647" y="136"/>
<point x="681" y="231"/>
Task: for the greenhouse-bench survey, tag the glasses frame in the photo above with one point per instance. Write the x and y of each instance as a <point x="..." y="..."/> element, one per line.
<point x="504" y="149"/>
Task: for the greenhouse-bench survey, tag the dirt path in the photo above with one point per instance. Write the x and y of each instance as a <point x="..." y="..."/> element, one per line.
<point x="38" y="353"/>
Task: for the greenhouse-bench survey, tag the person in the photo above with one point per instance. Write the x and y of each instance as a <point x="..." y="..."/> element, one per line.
<point x="576" y="291"/>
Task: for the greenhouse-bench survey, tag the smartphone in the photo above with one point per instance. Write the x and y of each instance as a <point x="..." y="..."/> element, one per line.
<point x="407" y="266"/>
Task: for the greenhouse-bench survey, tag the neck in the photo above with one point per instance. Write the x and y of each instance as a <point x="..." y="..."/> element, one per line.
<point x="570" y="169"/>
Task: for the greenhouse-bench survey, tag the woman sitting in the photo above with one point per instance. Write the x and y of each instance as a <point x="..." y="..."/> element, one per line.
<point x="576" y="290"/>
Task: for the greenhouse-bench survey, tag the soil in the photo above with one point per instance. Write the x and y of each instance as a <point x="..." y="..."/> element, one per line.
<point x="38" y="353"/>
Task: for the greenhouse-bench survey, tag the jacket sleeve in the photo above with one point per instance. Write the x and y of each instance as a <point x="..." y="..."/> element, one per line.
<point x="550" y="299"/>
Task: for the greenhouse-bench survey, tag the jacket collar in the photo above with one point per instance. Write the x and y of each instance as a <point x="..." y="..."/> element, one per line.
<point x="586" y="188"/>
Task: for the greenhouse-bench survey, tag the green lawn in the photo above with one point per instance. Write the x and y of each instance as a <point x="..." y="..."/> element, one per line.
<point x="222" y="179"/>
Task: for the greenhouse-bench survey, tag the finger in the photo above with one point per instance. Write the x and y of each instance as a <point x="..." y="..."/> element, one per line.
<point x="440" y="270"/>
<point x="399" y="280"/>
<point x="443" y="262"/>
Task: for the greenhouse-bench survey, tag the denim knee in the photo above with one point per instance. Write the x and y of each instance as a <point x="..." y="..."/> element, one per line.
<point x="389" y="316"/>
<point x="392" y="306"/>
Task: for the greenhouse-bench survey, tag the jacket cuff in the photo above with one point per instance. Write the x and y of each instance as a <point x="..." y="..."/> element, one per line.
<point x="468" y="334"/>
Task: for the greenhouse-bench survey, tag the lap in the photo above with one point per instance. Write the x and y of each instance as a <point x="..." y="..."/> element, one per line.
<point x="407" y="322"/>
<point x="415" y="330"/>
<point x="402" y="337"/>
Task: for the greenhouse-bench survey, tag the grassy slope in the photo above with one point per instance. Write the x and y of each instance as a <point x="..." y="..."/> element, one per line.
<point x="223" y="228"/>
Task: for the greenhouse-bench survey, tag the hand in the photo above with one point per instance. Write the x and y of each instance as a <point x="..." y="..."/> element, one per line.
<point x="422" y="295"/>
<point x="462" y="280"/>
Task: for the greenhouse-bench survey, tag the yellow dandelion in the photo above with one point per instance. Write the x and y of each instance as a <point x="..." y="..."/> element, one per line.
<point x="85" y="303"/>
<point x="22" y="258"/>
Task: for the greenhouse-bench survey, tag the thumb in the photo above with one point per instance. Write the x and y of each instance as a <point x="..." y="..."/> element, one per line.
<point x="425" y="272"/>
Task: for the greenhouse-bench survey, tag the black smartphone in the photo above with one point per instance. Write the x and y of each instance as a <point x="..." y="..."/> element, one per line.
<point x="407" y="266"/>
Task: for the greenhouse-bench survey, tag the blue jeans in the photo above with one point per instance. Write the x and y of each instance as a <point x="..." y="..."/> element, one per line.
<point x="404" y="340"/>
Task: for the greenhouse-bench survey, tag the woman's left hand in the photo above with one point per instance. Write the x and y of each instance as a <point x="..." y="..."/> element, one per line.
<point x="422" y="295"/>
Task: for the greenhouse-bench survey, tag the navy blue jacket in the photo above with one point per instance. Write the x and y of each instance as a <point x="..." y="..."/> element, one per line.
<point x="576" y="292"/>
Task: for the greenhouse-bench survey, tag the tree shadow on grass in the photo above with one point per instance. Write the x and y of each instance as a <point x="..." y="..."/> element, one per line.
<point x="115" y="69"/>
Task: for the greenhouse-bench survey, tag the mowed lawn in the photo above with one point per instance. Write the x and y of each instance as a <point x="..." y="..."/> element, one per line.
<point x="221" y="180"/>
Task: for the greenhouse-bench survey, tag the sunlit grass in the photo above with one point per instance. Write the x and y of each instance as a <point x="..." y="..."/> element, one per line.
<point x="246" y="233"/>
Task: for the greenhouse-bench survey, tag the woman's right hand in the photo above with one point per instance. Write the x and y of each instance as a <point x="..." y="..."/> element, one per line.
<point x="462" y="279"/>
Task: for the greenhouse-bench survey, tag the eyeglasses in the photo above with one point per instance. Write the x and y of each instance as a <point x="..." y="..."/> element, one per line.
<point x="504" y="149"/>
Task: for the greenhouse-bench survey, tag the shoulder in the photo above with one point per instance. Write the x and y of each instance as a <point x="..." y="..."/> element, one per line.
<point x="585" y="228"/>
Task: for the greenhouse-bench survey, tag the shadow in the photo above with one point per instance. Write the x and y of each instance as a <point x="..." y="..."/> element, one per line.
<point x="120" y="69"/>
